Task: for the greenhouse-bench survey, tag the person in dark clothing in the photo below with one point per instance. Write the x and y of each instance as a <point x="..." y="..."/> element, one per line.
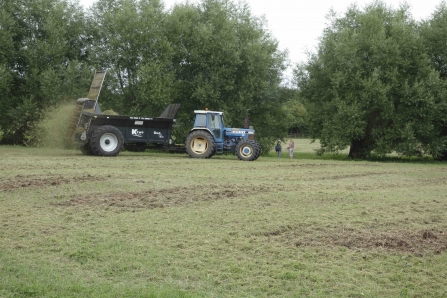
<point x="278" y="148"/>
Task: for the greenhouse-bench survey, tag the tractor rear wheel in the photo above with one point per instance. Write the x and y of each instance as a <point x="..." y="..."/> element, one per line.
<point x="248" y="150"/>
<point x="200" y="144"/>
<point x="107" y="140"/>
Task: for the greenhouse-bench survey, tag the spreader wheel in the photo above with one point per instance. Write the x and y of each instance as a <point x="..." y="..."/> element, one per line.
<point x="107" y="140"/>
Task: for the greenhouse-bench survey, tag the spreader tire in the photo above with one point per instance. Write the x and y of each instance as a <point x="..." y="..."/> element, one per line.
<point x="200" y="144"/>
<point x="248" y="150"/>
<point x="107" y="140"/>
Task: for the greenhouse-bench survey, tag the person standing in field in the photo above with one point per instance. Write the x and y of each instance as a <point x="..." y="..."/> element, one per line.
<point x="278" y="148"/>
<point x="291" y="146"/>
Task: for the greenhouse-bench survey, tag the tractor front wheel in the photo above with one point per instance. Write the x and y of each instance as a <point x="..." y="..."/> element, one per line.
<point x="107" y="140"/>
<point x="200" y="144"/>
<point x="248" y="150"/>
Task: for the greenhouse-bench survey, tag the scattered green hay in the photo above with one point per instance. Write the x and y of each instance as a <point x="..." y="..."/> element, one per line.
<point x="57" y="127"/>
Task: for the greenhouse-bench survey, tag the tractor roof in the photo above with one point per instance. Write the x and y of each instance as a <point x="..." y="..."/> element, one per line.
<point x="207" y="112"/>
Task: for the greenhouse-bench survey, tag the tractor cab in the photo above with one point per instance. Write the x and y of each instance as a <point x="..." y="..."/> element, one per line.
<point x="211" y="121"/>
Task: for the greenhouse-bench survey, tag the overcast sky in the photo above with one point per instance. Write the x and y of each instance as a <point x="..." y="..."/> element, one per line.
<point x="297" y="25"/>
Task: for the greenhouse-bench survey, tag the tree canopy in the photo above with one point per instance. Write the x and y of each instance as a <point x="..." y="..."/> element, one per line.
<point x="434" y="33"/>
<point x="41" y="60"/>
<point x="129" y="41"/>
<point x="371" y="86"/>
<point x="213" y="54"/>
<point x="377" y="83"/>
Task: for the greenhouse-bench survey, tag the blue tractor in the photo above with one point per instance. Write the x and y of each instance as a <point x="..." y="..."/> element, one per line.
<point x="210" y="136"/>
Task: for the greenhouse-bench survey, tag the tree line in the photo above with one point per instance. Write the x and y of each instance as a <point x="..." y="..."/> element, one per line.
<point x="214" y="55"/>
<point x="376" y="83"/>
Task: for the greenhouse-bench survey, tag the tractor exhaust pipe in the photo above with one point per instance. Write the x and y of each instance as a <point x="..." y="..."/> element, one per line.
<point x="246" y="120"/>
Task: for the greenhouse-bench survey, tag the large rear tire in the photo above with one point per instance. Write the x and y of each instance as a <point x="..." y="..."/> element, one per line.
<point x="200" y="144"/>
<point x="107" y="140"/>
<point x="248" y="150"/>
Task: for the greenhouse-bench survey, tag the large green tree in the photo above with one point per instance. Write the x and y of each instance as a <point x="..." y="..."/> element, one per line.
<point x="213" y="54"/>
<point x="226" y="59"/>
<point x="42" y="49"/>
<point x="434" y="33"/>
<point x="371" y="86"/>
<point x="129" y="41"/>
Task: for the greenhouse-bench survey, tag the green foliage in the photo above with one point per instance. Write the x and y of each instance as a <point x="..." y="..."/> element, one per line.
<point x="22" y="115"/>
<point x="129" y="42"/>
<point x="271" y="124"/>
<point x="433" y="31"/>
<point x="371" y="86"/>
<point x="295" y="112"/>
<point x="224" y="59"/>
<point x="42" y="48"/>
<point x="274" y="119"/>
<point x="213" y="54"/>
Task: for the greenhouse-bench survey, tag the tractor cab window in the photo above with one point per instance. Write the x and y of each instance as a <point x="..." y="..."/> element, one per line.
<point x="214" y="124"/>
<point x="200" y="120"/>
<point x="214" y="121"/>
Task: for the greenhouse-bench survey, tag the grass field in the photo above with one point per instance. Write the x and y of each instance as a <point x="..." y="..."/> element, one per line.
<point x="164" y="225"/>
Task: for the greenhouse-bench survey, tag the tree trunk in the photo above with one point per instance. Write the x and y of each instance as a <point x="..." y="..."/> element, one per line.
<point x="443" y="155"/>
<point x="359" y="149"/>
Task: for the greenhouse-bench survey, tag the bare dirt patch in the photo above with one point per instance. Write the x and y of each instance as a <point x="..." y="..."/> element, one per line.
<point x="21" y="181"/>
<point x="168" y="197"/>
<point x="417" y="243"/>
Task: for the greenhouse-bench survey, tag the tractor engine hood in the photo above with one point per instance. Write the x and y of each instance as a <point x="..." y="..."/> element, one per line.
<point x="246" y="133"/>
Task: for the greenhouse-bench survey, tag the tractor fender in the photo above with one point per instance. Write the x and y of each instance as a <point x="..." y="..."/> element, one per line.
<point x="201" y="128"/>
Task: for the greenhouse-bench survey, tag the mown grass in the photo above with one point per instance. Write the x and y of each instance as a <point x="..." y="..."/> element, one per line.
<point x="164" y="225"/>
